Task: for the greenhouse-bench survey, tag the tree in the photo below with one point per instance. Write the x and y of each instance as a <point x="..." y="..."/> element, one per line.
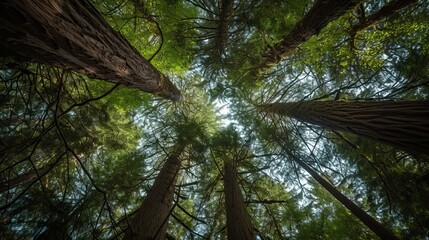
<point x="397" y="123"/>
<point x="74" y="36"/>
<point x="237" y="218"/>
<point x="387" y="10"/>
<point x="24" y="178"/>
<point x="225" y="18"/>
<point x="369" y="221"/>
<point x="150" y="221"/>
<point x="320" y="15"/>
<point x="80" y="158"/>
<point x="402" y="186"/>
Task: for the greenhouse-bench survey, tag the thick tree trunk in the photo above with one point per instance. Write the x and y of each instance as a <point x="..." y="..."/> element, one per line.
<point x="150" y="221"/>
<point x="402" y="124"/>
<point x="73" y="35"/>
<point x="322" y="13"/>
<point x="366" y="219"/>
<point x="237" y="219"/>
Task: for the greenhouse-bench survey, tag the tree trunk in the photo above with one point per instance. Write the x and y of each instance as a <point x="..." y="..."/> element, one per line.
<point x="30" y="176"/>
<point x="150" y="221"/>
<point x="402" y="124"/>
<point x="366" y="219"/>
<point x="237" y="219"/>
<point x="322" y="13"/>
<point x="387" y="10"/>
<point x="73" y="35"/>
<point x="225" y="17"/>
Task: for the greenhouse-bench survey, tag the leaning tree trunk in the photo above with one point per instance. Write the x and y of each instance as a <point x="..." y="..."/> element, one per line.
<point x="30" y="176"/>
<point x="402" y="124"/>
<point x="366" y="219"/>
<point x="322" y="13"/>
<point x="387" y="10"/>
<point x="150" y="221"/>
<point x="73" y="35"/>
<point x="237" y="219"/>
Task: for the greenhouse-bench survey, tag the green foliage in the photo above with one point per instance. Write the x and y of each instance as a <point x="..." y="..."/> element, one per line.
<point x="331" y="220"/>
<point x="274" y="19"/>
<point x="78" y="156"/>
<point x="160" y="27"/>
<point x="392" y="175"/>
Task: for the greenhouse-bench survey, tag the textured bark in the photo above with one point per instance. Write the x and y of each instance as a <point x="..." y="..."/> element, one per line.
<point x="73" y="35"/>
<point x="322" y="13"/>
<point x="366" y="219"/>
<point x="237" y="219"/>
<point x="387" y="10"/>
<point x="402" y="124"/>
<point x="150" y="221"/>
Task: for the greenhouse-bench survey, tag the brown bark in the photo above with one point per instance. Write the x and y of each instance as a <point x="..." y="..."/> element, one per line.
<point x="24" y="178"/>
<point x="387" y="10"/>
<point x="150" y="221"/>
<point x="73" y="35"/>
<point x="366" y="219"/>
<point x="225" y="17"/>
<point x="322" y="13"/>
<point x="237" y="219"/>
<point x="402" y="124"/>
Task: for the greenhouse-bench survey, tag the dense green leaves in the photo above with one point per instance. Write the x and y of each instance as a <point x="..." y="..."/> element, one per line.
<point x="78" y="156"/>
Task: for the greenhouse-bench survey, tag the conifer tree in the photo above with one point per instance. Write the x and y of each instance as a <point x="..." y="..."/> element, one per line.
<point x="237" y="218"/>
<point x="73" y="35"/>
<point x="150" y="221"/>
<point x="400" y="124"/>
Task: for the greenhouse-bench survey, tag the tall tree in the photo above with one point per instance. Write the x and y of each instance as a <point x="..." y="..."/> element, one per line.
<point x="387" y="10"/>
<point x="401" y="124"/>
<point x="76" y="154"/>
<point x="393" y="181"/>
<point x="237" y="218"/>
<point x="150" y="221"/>
<point x="225" y="17"/>
<point x="73" y="35"/>
<point x="369" y="221"/>
<point x="30" y="176"/>
<point x="321" y="14"/>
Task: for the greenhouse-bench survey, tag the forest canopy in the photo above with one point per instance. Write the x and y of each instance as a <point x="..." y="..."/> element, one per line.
<point x="214" y="119"/>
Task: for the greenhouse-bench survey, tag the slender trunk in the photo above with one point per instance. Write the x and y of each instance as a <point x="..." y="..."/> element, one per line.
<point x="322" y="13"/>
<point x="402" y="124"/>
<point x="73" y="35"/>
<point x="225" y="18"/>
<point x="24" y="178"/>
<point x="237" y="219"/>
<point x="387" y="10"/>
<point x="150" y="221"/>
<point x="366" y="219"/>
